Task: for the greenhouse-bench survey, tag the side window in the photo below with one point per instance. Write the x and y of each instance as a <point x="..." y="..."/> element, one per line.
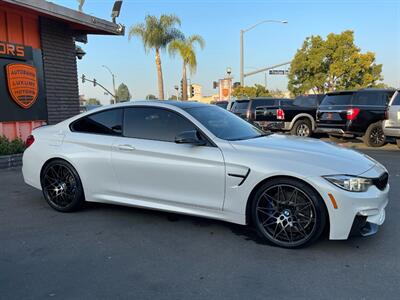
<point x="106" y="122"/>
<point x="396" y="101"/>
<point x="154" y="124"/>
<point x="370" y="98"/>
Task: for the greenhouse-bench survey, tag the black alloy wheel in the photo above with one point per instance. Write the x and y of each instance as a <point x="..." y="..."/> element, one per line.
<point x="61" y="186"/>
<point x="288" y="213"/>
<point x="302" y="128"/>
<point x="374" y="136"/>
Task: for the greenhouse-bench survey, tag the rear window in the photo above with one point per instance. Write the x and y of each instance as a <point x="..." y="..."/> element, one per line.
<point x="337" y="99"/>
<point x="239" y="105"/>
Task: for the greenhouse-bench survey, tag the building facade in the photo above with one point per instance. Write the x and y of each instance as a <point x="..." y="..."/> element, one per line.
<point x="38" y="67"/>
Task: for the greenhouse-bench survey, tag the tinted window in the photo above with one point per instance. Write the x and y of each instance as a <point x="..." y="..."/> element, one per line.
<point x="303" y="101"/>
<point x="240" y="105"/>
<point x="223" y="104"/>
<point x="370" y="98"/>
<point x="154" y="124"/>
<point x="396" y="100"/>
<point x="224" y="124"/>
<point x="105" y="122"/>
<point x="266" y="102"/>
<point x="337" y="99"/>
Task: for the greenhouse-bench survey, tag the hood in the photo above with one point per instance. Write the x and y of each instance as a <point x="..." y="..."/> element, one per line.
<point x="323" y="157"/>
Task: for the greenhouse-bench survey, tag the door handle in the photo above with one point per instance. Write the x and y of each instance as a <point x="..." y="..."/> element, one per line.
<point x="126" y="147"/>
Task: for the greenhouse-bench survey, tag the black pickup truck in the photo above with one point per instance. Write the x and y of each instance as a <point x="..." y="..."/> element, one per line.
<point x="297" y="116"/>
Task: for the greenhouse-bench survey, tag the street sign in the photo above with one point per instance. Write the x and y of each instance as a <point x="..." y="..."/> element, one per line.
<point x="278" y="72"/>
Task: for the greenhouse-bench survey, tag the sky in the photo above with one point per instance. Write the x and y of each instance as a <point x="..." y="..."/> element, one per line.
<point x="376" y="25"/>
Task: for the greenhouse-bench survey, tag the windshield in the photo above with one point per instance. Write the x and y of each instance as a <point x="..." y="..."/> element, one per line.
<point x="224" y="124"/>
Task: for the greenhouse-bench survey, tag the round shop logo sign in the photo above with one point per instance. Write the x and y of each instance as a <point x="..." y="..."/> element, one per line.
<point x="22" y="84"/>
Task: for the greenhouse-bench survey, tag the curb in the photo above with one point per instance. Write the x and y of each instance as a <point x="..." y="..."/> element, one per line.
<point x="10" y="161"/>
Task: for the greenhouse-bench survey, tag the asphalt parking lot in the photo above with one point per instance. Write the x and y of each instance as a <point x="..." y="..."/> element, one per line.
<point x="111" y="252"/>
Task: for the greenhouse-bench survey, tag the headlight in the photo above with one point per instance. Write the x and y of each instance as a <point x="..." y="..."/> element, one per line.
<point x="350" y="183"/>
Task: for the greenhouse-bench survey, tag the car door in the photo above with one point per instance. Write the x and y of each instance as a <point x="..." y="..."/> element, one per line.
<point x="151" y="167"/>
<point x="89" y="146"/>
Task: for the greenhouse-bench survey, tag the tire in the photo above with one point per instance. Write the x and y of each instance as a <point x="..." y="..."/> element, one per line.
<point x="288" y="213"/>
<point x="61" y="186"/>
<point x="374" y="136"/>
<point x="398" y="143"/>
<point x="337" y="139"/>
<point x="302" y="128"/>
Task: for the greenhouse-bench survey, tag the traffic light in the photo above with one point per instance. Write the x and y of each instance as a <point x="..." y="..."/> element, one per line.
<point x="191" y="91"/>
<point x="94" y="82"/>
<point x="83" y="78"/>
<point x="181" y="88"/>
<point x="215" y="84"/>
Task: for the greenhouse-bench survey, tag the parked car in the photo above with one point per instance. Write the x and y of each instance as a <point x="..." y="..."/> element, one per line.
<point x="84" y="108"/>
<point x="246" y="108"/>
<point x="222" y="104"/>
<point x="391" y="126"/>
<point x="202" y="160"/>
<point x="297" y="116"/>
<point x="349" y="114"/>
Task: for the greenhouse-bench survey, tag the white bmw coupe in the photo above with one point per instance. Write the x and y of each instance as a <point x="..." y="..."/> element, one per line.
<point x="202" y="160"/>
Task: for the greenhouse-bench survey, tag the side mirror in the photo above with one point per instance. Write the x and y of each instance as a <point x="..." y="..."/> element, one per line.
<point x="190" y="137"/>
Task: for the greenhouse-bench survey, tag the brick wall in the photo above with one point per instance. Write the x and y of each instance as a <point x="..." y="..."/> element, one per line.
<point x="60" y="70"/>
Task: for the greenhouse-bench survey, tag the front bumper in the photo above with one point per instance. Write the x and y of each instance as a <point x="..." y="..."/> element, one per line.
<point x="350" y="206"/>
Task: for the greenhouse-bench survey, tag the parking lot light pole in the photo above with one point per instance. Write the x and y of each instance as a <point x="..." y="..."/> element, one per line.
<point x="242" y="32"/>
<point x="113" y="80"/>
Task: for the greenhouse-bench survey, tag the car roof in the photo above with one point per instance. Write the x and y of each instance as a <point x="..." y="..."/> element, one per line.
<point x="180" y="104"/>
<point x="361" y="90"/>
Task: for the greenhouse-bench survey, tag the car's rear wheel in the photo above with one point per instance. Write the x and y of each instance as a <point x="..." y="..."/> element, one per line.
<point x="374" y="136"/>
<point x="61" y="186"/>
<point x="302" y="128"/>
<point x="288" y="213"/>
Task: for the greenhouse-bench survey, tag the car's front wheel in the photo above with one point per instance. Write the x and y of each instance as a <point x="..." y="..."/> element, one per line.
<point x="288" y="213"/>
<point x="61" y="186"/>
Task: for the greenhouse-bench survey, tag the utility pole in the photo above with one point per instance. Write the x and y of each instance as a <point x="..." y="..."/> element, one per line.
<point x="242" y="32"/>
<point x="113" y="81"/>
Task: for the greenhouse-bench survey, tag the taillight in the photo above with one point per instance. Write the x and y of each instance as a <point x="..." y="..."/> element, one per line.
<point x="386" y="114"/>
<point x="280" y="114"/>
<point x="29" y="141"/>
<point x="352" y="113"/>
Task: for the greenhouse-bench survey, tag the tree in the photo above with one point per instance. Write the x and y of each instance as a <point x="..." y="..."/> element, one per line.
<point x="186" y="49"/>
<point x="277" y="93"/>
<point x="332" y="64"/>
<point x="257" y="90"/>
<point x="157" y="33"/>
<point x="81" y="3"/>
<point x="93" y="101"/>
<point x="151" y="97"/>
<point x="123" y="93"/>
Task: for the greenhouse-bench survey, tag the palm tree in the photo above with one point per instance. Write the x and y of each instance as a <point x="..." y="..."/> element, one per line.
<point x="186" y="49"/>
<point x="81" y="3"/>
<point x="157" y="34"/>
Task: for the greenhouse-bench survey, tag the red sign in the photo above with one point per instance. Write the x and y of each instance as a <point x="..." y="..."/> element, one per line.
<point x="22" y="84"/>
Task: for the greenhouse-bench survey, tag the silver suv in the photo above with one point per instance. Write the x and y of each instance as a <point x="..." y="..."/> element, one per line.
<point x="391" y="125"/>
